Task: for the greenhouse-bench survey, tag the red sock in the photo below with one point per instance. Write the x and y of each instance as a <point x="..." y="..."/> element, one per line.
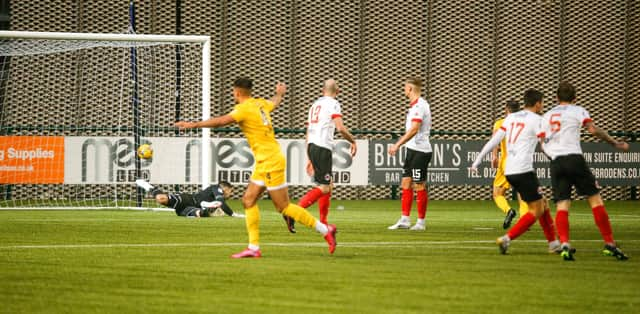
<point x="407" y="199"/>
<point x="524" y="223"/>
<point x="422" y="199"/>
<point x="546" y="222"/>
<point x="311" y="197"/>
<point x="562" y="223"/>
<point x="602" y="221"/>
<point x="323" y="207"/>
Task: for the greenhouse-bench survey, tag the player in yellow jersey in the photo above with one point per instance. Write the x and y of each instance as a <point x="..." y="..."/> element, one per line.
<point x="253" y="115"/>
<point x="500" y="184"/>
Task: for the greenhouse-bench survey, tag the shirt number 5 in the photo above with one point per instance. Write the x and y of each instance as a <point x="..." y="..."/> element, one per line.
<point x="555" y="122"/>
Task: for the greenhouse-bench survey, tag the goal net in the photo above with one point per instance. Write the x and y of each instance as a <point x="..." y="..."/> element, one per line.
<point x="74" y="108"/>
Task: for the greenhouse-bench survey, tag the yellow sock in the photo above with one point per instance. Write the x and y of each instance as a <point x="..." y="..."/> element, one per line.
<point x="502" y="203"/>
<point x="252" y="219"/>
<point x="524" y="208"/>
<point x="300" y="215"/>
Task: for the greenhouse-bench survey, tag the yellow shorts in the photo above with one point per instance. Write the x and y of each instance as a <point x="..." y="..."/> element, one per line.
<point x="501" y="180"/>
<point x="270" y="173"/>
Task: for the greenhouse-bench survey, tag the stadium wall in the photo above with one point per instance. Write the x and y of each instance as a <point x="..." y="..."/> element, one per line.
<point x="473" y="56"/>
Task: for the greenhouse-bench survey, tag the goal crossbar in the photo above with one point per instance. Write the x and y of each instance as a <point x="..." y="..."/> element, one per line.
<point x="105" y="37"/>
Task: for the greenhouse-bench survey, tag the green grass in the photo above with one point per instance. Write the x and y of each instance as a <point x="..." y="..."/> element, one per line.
<point x="155" y="262"/>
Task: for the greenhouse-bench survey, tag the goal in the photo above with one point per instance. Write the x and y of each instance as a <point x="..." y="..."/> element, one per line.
<point x="74" y="107"/>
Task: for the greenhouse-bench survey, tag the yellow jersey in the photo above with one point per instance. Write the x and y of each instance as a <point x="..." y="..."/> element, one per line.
<point x="253" y="116"/>
<point x="503" y="144"/>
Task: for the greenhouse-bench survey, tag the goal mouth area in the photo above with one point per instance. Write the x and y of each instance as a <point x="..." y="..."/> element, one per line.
<point x="75" y="107"/>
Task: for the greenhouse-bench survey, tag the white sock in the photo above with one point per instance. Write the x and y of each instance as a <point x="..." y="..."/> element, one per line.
<point x="420" y="221"/>
<point x="322" y="228"/>
<point x="404" y="218"/>
<point x="254" y="247"/>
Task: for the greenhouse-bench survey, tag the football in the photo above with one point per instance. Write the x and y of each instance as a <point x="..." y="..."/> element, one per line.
<point x="145" y="151"/>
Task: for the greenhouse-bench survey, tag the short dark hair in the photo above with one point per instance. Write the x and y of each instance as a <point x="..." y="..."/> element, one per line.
<point x="513" y="105"/>
<point x="566" y="92"/>
<point x="415" y="81"/>
<point x="532" y="97"/>
<point x="243" y="83"/>
<point x="225" y="184"/>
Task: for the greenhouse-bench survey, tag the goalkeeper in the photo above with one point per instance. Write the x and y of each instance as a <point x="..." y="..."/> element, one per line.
<point x="201" y="204"/>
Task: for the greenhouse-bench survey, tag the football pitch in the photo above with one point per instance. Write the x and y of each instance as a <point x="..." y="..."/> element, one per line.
<point x="154" y="262"/>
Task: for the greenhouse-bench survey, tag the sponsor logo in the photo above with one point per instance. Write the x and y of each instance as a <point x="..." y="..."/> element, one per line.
<point x="118" y="156"/>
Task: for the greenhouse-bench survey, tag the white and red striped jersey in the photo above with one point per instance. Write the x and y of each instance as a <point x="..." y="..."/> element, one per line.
<point x="562" y="126"/>
<point x="320" y="125"/>
<point x="419" y="112"/>
<point x="522" y="131"/>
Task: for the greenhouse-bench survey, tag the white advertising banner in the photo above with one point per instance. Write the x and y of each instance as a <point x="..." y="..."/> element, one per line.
<point x="108" y="160"/>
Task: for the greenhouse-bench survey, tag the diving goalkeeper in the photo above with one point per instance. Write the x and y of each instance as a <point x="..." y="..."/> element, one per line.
<point x="201" y="204"/>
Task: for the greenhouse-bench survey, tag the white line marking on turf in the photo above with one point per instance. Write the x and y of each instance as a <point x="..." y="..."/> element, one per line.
<point x="282" y="244"/>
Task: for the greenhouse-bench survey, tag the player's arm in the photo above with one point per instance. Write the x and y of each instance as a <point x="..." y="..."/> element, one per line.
<point x="494" y="154"/>
<point x="210" y="123"/>
<point x="226" y="209"/>
<point x="346" y="134"/>
<point x="415" y="127"/>
<point x="281" y="89"/>
<point x="493" y="142"/>
<point x="494" y="157"/>
<point x="541" y="133"/>
<point x="602" y="135"/>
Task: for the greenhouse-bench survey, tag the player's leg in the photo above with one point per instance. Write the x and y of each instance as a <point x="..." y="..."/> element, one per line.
<point x="528" y="186"/>
<point x="586" y="184"/>
<point x="562" y="184"/>
<point x="523" y="208"/>
<point x="311" y="197"/>
<point x="273" y="176"/>
<point x="500" y="187"/>
<point x="419" y="177"/>
<point x="500" y="199"/>
<point x="162" y="198"/>
<point x="317" y="193"/>
<point x="422" y="200"/>
<point x="324" y="202"/>
<point x="252" y="215"/>
<point x="280" y="199"/>
<point x="604" y="225"/>
<point x="601" y="218"/>
<point x="546" y="222"/>
<point x="406" y="200"/>
<point x="503" y="204"/>
<point x="191" y="211"/>
<point x="321" y="160"/>
<point x="279" y="194"/>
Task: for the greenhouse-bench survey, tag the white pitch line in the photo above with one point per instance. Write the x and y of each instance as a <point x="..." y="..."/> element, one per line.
<point x="281" y="244"/>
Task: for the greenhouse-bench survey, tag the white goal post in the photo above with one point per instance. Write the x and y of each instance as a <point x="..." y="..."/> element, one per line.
<point x="24" y="44"/>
